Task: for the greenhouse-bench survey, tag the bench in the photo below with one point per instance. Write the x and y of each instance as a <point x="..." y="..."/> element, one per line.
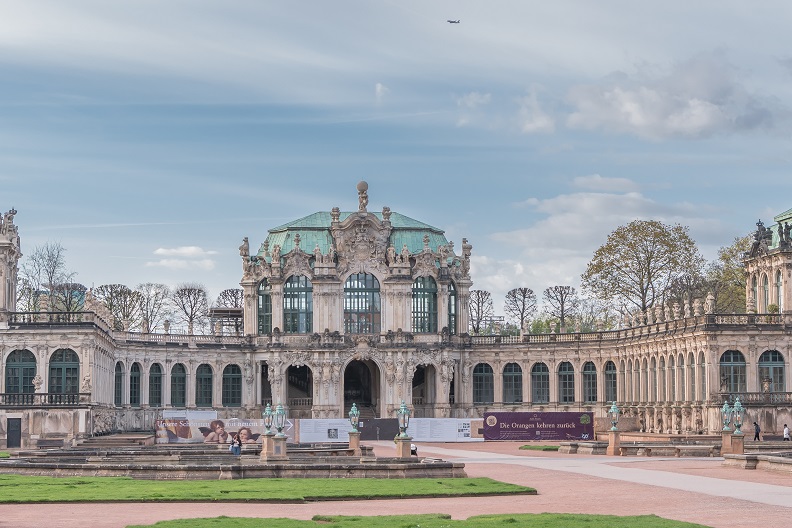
<point x="49" y="443"/>
<point x="696" y="450"/>
<point x="635" y="450"/>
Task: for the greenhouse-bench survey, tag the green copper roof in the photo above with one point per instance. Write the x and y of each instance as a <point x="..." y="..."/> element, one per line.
<point x="783" y="218"/>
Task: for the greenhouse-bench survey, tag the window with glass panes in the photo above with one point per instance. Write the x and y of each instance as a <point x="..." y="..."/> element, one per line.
<point x="232" y="386"/>
<point x="589" y="382"/>
<point x="692" y="377"/>
<point x="662" y="381"/>
<point x="755" y="292"/>
<point x="155" y="385"/>
<point x="512" y="383"/>
<point x="779" y="292"/>
<point x="765" y="294"/>
<point x="540" y="383"/>
<point x="178" y="386"/>
<point x="298" y="305"/>
<point x="362" y="306"/>
<point x="672" y="395"/>
<point x="118" y="392"/>
<point x="203" y="386"/>
<point x="610" y="382"/>
<point x="264" y="308"/>
<point x="134" y="385"/>
<point x="64" y="372"/>
<point x="681" y="369"/>
<point x="771" y="366"/>
<point x="452" y="309"/>
<point x="20" y="371"/>
<point x="566" y="383"/>
<point x="424" y="306"/>
<point x="702" y="378"/>
<point x="732" y="371"/>
<point x="483" y="384"/>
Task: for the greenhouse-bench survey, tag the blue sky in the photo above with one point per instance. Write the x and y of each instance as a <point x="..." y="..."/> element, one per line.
<point x="149" y="137"/>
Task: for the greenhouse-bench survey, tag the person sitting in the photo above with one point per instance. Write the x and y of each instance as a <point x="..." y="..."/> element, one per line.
<point x="413" y="450"/>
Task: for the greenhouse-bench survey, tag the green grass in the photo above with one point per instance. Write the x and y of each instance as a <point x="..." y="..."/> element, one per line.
<point x="19" y="488"/>
<point x="539" y="448"/>
<point x="542" y="520"/>
<point x="4" y="454"/>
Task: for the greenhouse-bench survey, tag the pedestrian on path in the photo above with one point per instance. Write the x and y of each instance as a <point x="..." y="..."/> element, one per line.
<point x="786" y="433"/>
<point x="756" y="432"/>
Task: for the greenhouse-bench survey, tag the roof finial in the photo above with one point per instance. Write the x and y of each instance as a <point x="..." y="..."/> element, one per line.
<point x="362" y="187"/>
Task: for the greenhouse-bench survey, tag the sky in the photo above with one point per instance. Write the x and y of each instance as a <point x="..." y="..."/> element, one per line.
<point x="150" y="137"/>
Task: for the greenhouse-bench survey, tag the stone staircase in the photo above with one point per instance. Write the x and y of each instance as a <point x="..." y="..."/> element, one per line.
<point x="119" y="440"/>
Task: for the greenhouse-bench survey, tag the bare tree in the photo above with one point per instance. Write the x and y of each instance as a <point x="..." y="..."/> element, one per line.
<point x="123" y="303"/>
<point x="69" y="296"/>
<point x="520" y="305"/>
<point x="154" y="304"/>
<point x="560" y="302"/>
<point x="230" y="298"/>
<point x="191" y="304"/>
<point x="42" y="274"/>
<point x="480" y="308"/>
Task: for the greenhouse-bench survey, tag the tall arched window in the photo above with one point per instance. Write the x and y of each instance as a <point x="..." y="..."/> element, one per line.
<point x="771" y="366"/>
<point x="589" y="382"/>
<point x="662" y="381"/>
<point x="424" y="306"/>
<point x="362" y="306"/>
<point x="155" y="385"/>
<point x="19" y="374"/>
<point x="178" y="386"/>
<point x="452" y="309"/>
<point x="232" y="386"/>
<point x="512" y="383"/>
<point x="566" y="383"/>
<point x="134" y="385"/>
<point x="653" y="380"/>
<point x="483" y="384"/>
<point x="779" y="294"/>
<point x="732" y="372"/>
<point x="610" y="382"/>
<point x="765" y="294"/>
<point x="264" y="308"/>
<point x="298" y="305"/>
<point x="691" y="377"/>
<point x="118" y="392"/>
<point x="702" y="378"/>
<point x="540" y="383"/>
<point x="755" y="292"/>
<point x="203" y="386"/>
<point x="672" y="394"/>
<point x="64" y="372"/>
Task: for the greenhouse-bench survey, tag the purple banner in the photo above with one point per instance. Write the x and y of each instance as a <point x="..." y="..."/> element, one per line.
<point x="538" y="426"/>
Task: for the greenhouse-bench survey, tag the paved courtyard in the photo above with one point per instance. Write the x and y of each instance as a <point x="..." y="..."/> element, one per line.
<point x="696" y="490"/>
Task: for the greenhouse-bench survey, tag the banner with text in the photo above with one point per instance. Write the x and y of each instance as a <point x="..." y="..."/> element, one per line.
<point x="538" y="426"/>
<point x="194" y="429"/>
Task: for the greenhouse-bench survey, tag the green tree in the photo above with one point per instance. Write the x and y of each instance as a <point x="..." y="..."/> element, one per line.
<point x="638" y="262"/>
<point x="726" y="276"/>
<point x="560" y="303"/>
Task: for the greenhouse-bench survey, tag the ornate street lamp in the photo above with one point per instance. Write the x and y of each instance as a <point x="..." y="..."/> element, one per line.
<point x="280" y="420"/>
<point x="726" y="415"/>
<point x="354" y="418"/>
<point x="267" y="415"/>
<point x="403" y="415"/>
<point x="613" y="414"/>
<point x="738" y="411"/>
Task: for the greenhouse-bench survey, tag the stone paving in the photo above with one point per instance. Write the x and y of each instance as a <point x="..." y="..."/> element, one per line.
<point x="697" y="490"/>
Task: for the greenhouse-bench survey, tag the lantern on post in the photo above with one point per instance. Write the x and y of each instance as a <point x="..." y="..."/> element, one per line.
<point x="267" y="415"/>
<point x="354" y="418"/>
<point x="738" y="411"/>
<point x="280" y="420"/>
<point x="726" y="415"/>
<point x="403" y="415"/>
<point x="613" y="414"/>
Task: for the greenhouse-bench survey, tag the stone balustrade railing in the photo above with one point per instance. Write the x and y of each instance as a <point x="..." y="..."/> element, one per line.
<point x="43" y="399"/>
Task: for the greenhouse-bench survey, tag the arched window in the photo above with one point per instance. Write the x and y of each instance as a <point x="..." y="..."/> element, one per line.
<point x="512" y="383"/>
<point x="672" y="394"/>
<point x="203" y="386"/>
<point x="134" y="385"/>
<point x="755" y="292"/>
<point x="732" y="372"/>
<point x="298" y="305"/>
<point x="662" y="381"/>
<point x="232" y="386"/>
<point x="178" y="386"/>
<point x="483" y="384"/>
<point x="540" y="383"/>
<point x="19" y="374"/>
<point x="452" y="309"/>
<point x="64" y="372"/>
<point x="652" y="380"/>
<point x="155" y="385"/>
<point x="566" y="383"/>
<point x="424" y="306"/>
<point x="702" y="378"/>
<point x="610" y="382"/>
<point x="681" y="396"/>
<point x="264" y="308"/>
<point x="771" y="367"/>
<point x="692" y="377"/>
<point x="118" y="393"/>
<point x="589" y="382"/>
<point x="362" y="305"/>
<point x="779" y="295"/>
<point x="765" y="294"/>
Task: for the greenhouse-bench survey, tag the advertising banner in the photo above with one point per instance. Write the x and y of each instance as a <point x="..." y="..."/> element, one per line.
<point x="538" y="426"/>
<point x="189" y="429"/>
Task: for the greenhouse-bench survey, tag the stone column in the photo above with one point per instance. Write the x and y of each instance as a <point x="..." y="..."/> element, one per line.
<point x="614" y="442"/>
<point x="250" y="308"/>
<point x="403" y="446"/>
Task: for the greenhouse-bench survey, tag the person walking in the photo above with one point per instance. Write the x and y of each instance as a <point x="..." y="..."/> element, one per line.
<point x="786" y="433"/>
<point x="756" y="432"/>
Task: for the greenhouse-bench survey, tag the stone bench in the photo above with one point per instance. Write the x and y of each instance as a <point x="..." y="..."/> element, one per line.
<point x="696" y="450"/>
<point x="49" y="443"/>
<point x="569" y="448"/>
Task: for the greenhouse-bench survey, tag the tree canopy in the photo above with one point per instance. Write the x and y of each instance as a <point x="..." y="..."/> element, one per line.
<point x="520" y="305"/>
<point x="480" y="308"/>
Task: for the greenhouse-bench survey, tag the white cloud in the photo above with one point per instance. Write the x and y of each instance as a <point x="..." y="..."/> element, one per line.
<point x="380" y="91"/>
<point x="595" y="182"/>
<point x="182" y="264"/>
<point x="473" y="100"/>
<point x="184" y="251"/>
<point x="532" y="117"/>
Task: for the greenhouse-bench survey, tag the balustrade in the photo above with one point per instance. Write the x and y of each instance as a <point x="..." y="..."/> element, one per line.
<point x="42" y="399"/>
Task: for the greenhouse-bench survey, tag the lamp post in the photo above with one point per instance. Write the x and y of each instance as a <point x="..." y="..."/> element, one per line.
<point x="403" y="415"/>
<point x="613" y="414"/>
<point x="354" y="418"/>
<point x="726" y="436"/>
<point x="280" y="420"/>
<point x="726" y="415"/>
<point x="273" y="446"/>
<point x="738" y="411"/>
<point x="267" y="415"/>
<point x="354" y="434"/>
<point x="614" y="441"/>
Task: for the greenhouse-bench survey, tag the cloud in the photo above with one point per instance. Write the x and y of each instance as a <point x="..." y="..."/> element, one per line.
<point x="473" y="100"/>
<point x="184" y="258"/>
<point x="595" y="182"/>
<point x="182" y="264"/>
<point x="380" y="91"/>
<point x="532" y="117"/>
<point x="696" y="98"/>
<point x="184" y="251"/>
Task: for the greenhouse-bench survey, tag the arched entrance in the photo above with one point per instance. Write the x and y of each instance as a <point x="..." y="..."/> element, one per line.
<point x="362" y="387"/>
<point x="300" y="391"/>
<point x="424" y="392"/>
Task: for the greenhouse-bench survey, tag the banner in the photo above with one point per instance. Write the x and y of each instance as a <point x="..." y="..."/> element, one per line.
<point x="538" y="426"/>
<point x="187" y="429"/>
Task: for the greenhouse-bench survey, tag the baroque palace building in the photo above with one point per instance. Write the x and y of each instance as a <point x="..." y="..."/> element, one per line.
<point x="371" y="308"/>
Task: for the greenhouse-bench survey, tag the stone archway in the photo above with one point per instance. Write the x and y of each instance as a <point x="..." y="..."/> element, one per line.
<point x="362" y="381"/>
<point x="299" y="393"/>
<point x="424" y="390"/>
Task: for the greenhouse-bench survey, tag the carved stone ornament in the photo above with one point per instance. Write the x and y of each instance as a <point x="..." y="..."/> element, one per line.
<point x="362" y="242"/>
<point x="297" y="263"/>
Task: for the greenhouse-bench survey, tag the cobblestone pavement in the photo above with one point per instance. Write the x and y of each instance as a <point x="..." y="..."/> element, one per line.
<point x="697" y="490"/>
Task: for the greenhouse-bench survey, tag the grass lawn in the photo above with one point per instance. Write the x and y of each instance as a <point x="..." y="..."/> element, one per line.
<point x="539" y="448"/>
<point x="4" y="454"/>
<point x="542" y="520"/>
<point x="19" y="488"/>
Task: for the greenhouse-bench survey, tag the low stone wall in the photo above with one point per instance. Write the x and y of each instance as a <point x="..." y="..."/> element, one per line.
<point x="769" y="462"/>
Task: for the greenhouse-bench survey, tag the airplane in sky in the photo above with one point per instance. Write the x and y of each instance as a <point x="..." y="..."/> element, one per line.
<point x="453" y="21"/>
